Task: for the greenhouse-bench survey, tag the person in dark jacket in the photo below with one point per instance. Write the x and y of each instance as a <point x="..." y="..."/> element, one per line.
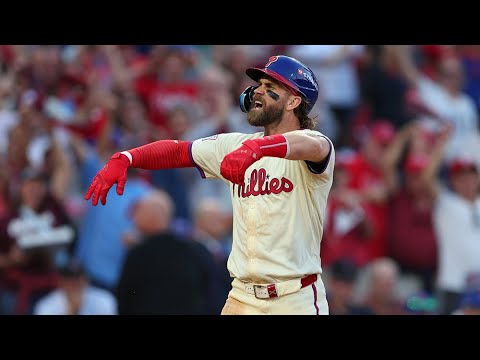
<point x="165" y="274"/>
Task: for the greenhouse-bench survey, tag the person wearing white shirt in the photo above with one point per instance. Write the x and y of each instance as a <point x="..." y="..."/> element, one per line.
<point x="451" y="104"/>
<point x="443" y="100"/>
<point x="75" y="296"/>
<point x="456" y="220"/>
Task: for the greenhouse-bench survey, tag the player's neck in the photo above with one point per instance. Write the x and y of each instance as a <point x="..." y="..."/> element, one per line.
<point x="281" y="127"/>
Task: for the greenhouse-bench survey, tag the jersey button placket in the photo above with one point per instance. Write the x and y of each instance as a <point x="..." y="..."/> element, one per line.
<point x="251" y="232"/>
<point x="251" y="252"/>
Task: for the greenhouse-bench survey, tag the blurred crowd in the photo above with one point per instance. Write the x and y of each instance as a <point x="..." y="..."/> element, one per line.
<point x="402" y="227"/>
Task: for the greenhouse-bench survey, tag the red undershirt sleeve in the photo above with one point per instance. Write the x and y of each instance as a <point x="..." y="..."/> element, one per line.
<point x="162" y="154"/>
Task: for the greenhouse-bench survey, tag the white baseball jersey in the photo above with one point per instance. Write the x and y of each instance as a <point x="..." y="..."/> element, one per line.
<point x="278" y="211"/>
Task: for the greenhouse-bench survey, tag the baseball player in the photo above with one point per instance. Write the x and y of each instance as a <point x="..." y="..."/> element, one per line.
<point x="279" y="180"/>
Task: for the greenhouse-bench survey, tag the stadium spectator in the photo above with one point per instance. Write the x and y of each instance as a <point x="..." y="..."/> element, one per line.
<point x="75" y="296"/>
<point x="342" y="276"/>
<point x="412" y="241"/>
<point x="457" y="226"/>
<point x="381" y="294"/>
<point x="336" y="69"/>
<point x="102" y="233"/>
<point x="165" y="273"/>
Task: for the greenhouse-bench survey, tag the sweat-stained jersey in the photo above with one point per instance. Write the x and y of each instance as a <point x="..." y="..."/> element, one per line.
<point x="278" y="212"/>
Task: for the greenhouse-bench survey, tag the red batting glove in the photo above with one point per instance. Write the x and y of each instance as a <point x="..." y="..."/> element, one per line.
<point x="114" y="171"/>
<point x="235" y="164"/>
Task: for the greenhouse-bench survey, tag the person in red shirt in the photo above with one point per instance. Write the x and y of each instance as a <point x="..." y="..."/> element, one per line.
<point x="412" y="241"/>
<point x="368" y="179"/>
<point x="166" y="85"/>
<point x="348" y="224"/>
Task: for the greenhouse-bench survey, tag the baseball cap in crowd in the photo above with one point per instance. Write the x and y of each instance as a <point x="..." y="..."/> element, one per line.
<point x="344" y="269"/>
<point x="435" y="52"/>
<point x="461" y="164"/>
<point x="382" y="131"/>
<point x="415" y="163"/>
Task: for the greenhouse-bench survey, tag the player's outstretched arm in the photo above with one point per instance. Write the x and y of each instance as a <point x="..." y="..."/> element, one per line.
<point x="293" y="145"/>
<point x="162" y="154"/>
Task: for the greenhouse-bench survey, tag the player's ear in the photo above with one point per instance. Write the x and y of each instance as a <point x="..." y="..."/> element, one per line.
<point x="293" y="102"/>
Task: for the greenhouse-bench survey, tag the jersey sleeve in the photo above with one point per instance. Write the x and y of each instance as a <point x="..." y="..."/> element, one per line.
<point x="207" y="153"/>
<point x="321" y="172"/>
<point x="320" y="167"/>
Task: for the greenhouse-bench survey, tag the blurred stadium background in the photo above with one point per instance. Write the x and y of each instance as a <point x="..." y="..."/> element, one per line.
<point x="402" y="231"/>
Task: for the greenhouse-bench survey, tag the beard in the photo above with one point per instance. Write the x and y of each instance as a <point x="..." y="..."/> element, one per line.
<point x="268" y="115"/>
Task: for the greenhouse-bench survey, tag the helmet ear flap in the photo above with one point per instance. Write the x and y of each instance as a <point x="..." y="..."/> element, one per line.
<point x="246" y="98"/>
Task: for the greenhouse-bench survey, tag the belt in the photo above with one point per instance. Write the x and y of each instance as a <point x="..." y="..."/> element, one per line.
<point x="267" y="291"/>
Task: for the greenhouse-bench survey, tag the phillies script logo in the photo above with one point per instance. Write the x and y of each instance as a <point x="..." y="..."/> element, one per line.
<point x="271" y="60"/>
<point x="261" y="184"/>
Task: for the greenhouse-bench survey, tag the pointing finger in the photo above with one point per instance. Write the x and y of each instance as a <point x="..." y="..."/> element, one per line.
<point x="103" y="197"/>
<point x="96" y="194"/>
<point x="90" y="190"/>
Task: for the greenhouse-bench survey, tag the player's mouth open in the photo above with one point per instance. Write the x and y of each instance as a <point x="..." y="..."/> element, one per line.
<point x="258" y="105"/>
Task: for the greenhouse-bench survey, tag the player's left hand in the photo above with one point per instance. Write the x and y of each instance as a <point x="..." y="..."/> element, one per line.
<point x="234" y="164"/>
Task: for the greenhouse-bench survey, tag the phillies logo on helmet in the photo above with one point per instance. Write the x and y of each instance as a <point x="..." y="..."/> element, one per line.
<point x="271" y="60"/>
